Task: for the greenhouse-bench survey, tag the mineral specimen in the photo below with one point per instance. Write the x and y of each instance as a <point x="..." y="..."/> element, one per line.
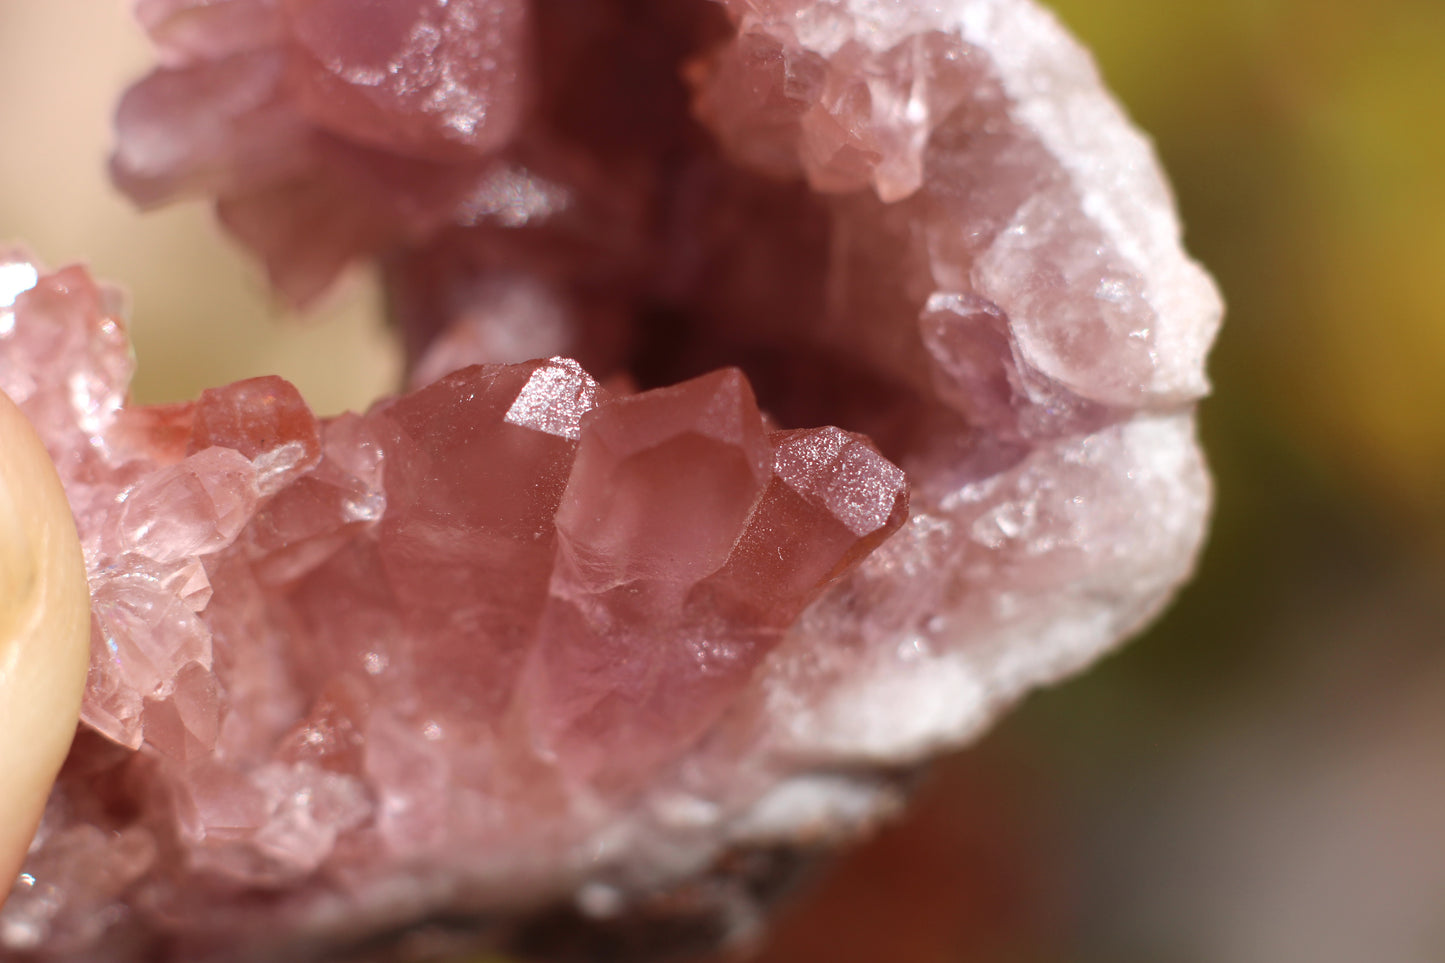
<point x="550" y="631"/>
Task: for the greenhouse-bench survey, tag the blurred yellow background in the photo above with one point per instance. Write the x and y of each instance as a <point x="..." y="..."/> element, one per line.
<point x="201" y="314"/>
<point x="1262" y="778"/>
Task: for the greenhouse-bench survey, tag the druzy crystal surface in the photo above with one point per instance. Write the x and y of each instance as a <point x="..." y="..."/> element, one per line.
<point x="597" y="605"/>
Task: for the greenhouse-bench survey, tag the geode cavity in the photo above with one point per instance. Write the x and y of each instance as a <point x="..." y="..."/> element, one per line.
<point x="595" y="603"/>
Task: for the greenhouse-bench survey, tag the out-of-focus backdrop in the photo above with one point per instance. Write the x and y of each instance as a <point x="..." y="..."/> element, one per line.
<point x="202" y="315"/>
<point x="1260" y="779"/>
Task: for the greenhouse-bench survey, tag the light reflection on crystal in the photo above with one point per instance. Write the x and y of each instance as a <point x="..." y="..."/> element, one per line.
<point x="513" y="197"/>
<point x="16" y="277"/>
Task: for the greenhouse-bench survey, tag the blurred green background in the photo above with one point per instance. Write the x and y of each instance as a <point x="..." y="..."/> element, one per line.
<point x="1261" y="779"/>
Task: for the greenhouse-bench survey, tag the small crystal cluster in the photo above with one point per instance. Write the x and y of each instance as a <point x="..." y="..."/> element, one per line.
<point x="561" y="630"/>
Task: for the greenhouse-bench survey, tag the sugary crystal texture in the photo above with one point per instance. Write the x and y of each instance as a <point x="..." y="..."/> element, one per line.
<point x="547" y="631"/>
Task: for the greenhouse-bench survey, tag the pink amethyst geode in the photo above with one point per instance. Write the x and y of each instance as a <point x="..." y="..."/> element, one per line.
<point x="607" y="631"/>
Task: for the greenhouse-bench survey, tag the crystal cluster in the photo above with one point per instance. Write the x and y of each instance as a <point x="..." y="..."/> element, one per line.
<point x="548" y="631"/>
<point x="396" y="639"/>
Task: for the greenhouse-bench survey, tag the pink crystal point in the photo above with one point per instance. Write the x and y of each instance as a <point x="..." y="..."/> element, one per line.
<point x="478" y="463"/>
<point x="265" y="420"/>
<point x="691" y="538"/>
<point x="677" y="471"/>
<point x="574" y="631"/>
<point x="413" y="76"/>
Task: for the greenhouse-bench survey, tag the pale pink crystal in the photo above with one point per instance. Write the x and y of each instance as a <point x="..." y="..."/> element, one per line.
<point x="529" y="635"/>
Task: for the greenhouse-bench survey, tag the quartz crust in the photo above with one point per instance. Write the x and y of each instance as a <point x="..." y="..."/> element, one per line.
<point x="571" y="630"/>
